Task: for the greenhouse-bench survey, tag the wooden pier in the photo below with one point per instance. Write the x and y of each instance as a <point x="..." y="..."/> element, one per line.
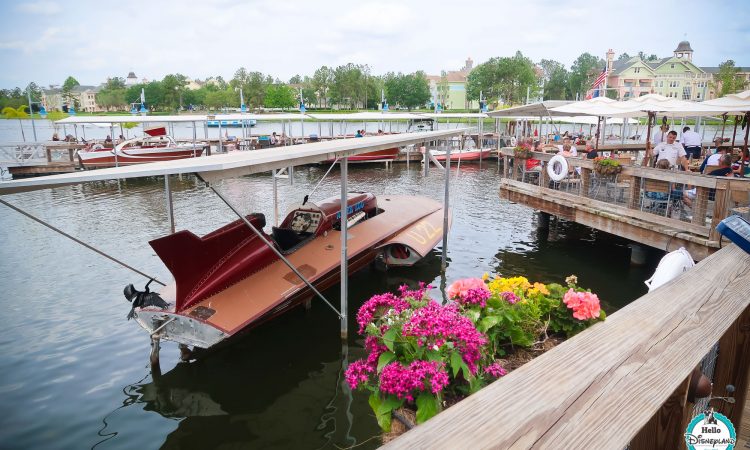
<point x="623" y="381"/>
<point x="618" y="204"/>
<point x="39" y="158"/>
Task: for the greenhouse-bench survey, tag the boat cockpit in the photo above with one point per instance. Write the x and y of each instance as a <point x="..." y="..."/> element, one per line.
<point x="299" y="226"/>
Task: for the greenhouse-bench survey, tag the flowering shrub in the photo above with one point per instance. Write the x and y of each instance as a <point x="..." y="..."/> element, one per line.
<point x="607" y="166"/>
<point x="419" y="352"/>
<point x="522" y="151"/>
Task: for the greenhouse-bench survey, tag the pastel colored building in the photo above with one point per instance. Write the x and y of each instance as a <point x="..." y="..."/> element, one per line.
<point x="449" y="88"/>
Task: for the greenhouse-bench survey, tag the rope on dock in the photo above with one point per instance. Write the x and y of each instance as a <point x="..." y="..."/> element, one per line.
<point x="111" y="258"/>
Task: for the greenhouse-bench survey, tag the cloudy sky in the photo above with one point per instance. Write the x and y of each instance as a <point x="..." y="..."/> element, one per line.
<point x="46" y="41"/>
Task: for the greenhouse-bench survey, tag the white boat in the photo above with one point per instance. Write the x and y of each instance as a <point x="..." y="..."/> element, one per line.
<point x="155" y="146"/>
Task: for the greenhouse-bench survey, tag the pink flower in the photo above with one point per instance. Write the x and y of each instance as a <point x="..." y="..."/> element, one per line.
<point x="417" y="294"/>
<point x="435" y="324"/>
<point x="419" y="376"/>
<point x="377" y="306"/>
<point x="358" y="372"/>
<point x="374" y="349"/>
<point x="460" y="288"/>
<point x="496" y="370"/>
<point x="585" y="305"/>
<point x="510" y="297"/>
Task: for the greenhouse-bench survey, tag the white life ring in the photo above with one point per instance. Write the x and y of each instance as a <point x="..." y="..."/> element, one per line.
<point x="555" y="163"/>
<point x="513" y="141"/>
<point x="671" y="265"/>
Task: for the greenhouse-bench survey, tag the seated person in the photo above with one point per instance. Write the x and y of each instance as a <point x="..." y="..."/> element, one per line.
<point x="713" y="157"/>
<point x="571" y="148"/>
<point x="725" y="167"/>
<point x="662" y="164"/>
<point x="591" y="152"/>
<point x="742" y="166"/>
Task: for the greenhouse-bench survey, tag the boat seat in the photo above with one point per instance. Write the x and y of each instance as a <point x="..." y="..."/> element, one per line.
<point x="287" y="239"/>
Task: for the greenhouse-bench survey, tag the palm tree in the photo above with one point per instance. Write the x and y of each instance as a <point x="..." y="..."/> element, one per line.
<point x="16" y="113"/>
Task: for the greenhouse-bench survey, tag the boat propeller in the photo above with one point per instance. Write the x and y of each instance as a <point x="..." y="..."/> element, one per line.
<point x="141" y="299"/>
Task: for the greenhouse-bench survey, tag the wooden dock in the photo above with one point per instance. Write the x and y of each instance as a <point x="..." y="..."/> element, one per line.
<point x="618" y="204"/>
<point x="621" y="382"/>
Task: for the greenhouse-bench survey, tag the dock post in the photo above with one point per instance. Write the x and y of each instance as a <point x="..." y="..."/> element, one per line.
<point x="275" y="199"/>
<point x="543" y="221"/>
<point x="446" y="213"/>
<point x="425" y="160"/>
<point x="637" y="254"/>
<point x="343" y="310"/>
<point x="154" y="356"/>
<point x="170" y="209"/>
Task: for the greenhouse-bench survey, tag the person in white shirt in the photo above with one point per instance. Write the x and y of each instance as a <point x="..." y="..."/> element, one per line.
<point x="692" y="143"/>
<point x="713" y="160"/>
<point x="659" y="135"/>
<point x="572" y="152"/>
<point x="671" y="151"/>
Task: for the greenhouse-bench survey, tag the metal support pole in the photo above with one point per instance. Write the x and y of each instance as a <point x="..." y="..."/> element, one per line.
<point x="444" y="261"/>
<point x="221" y="147"/>
<point x="275" y="199"/>
<point x="194" y="133"/>
<point x="344" y="257"/>
<point x="425" y="160"/>
<point x="170" y="209"/>
<point x="271" y="246"/>
<point x="31" y="112"/>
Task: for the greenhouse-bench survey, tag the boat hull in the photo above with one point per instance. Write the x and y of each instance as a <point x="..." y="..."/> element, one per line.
<point x="471" y="155"/>
<point x="410" y="221"/>
<point x="106" y="158"/>
<point x="370" y="157"/>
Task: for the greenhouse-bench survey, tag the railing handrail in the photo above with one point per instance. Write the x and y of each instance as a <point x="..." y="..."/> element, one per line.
<point x="695" y="179"/>
<point x="599" y="388"/>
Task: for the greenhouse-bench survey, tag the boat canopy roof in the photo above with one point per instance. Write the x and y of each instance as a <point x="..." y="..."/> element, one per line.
<point x="541" y="109"/>
<point x="372" y="116"/>
<point x="235" y="164"/>
<point x="456" y="115"/>
<point x="179" y="118"/>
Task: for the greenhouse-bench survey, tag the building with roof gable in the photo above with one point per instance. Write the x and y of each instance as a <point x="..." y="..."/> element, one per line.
<point x="449" y="88"/>
<point x="675" y="76"/>
<point x="131" y="80"/>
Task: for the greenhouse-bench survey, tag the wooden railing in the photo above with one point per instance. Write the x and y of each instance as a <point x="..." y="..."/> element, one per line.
<point x="621" y="382"/>
<point x="715" y="197"/>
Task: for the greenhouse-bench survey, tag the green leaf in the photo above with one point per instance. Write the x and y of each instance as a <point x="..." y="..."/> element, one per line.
<point x="384" y="359"/>
<point x="433" y="355"/>
<point x="487" y="323"/>
<point x="384" y="420"/>
<point x="465" y="369"/>
<point x="456" y="363"/>
<point x="427" y="406"/>
<point x="389" y="337"/>
<point x="473" y="314"/>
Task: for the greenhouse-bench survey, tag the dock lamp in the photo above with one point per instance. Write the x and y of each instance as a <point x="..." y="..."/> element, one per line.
<point x="143" y="110"/>
<point x="72" y="111"/>
<point x="133" y="109"/>
<point x="243" y="107"/>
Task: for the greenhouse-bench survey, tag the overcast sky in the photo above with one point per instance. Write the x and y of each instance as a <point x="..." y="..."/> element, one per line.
<point x="46" y="41"/>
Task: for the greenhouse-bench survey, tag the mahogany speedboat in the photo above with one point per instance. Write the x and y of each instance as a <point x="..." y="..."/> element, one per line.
<point x="229" y="280"/>
<point x="155" y="146"/>
<point x="463" y="155"/>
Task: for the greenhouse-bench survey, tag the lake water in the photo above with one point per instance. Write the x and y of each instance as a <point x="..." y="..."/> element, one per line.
<point x="74" y="372"/>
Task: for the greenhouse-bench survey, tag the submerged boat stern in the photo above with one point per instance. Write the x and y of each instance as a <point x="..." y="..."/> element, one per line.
<point x="179" y="328"/>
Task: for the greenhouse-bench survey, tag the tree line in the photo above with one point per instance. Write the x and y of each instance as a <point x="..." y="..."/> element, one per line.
<point x="507" y="80"/>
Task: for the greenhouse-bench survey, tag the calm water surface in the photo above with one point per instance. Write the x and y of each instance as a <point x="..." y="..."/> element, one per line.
<point x="74" y="372"/>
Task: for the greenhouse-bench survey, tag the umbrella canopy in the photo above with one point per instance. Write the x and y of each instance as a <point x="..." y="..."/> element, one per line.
<point x="541" y="109"/>
<point x="732" y="102"/>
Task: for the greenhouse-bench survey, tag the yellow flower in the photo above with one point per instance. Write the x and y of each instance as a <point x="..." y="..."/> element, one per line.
<point x="512" y="284"/>
<point x="486" y="276"/>
<point x="539" y="288"/>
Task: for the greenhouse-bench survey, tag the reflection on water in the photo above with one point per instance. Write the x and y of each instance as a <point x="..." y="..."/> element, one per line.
<point x="72" y="368"/>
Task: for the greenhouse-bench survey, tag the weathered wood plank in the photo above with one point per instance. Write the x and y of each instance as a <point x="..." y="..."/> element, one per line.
<point x="598" y="389"/>
<point x="732" y="366"/>
<point x="572" y="200"/>
<point x="667" y="427"/>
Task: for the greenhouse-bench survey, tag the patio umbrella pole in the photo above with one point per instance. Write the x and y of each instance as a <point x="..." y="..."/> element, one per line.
<point x="723" y="125"/>
<point x="734" y="133"/>
<point x="647" y="155"/>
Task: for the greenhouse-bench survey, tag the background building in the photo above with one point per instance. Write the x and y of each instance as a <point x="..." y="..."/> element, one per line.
<point x="449" y="88"/>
